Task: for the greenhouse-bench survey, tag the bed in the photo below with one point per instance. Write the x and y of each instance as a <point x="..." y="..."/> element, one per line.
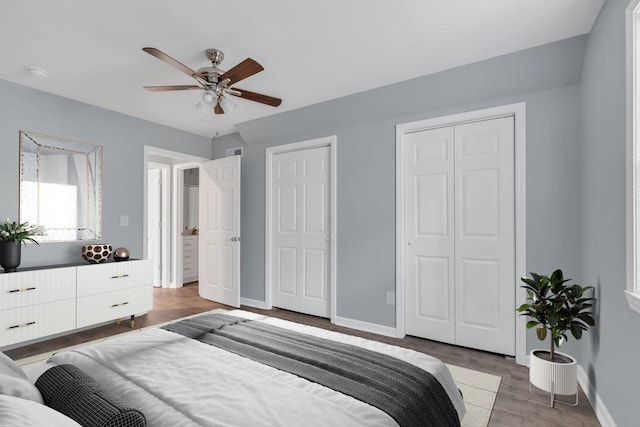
<point x="243" y="369"/>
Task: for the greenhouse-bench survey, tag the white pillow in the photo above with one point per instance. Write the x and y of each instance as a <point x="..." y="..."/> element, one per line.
<point x="15" y="412"/>
<point x="14" y="382"/>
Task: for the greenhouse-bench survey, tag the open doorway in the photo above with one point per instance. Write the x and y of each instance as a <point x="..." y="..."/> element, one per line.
<point x="168" y="233"/>
<point x="190" y="206"/>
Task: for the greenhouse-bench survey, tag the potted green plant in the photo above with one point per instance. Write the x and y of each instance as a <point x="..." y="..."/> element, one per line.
<point x="556" y="308"/>
<point x="12" y="235"/>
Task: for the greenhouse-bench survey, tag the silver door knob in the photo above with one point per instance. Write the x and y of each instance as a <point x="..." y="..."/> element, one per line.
<point x="409" y="243"/>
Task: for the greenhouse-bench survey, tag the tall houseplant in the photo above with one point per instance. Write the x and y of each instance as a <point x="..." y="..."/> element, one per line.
<point x="556" y="308"/>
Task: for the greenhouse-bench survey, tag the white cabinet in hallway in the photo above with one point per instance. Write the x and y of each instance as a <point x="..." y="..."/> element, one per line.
<point x="190" y="258"/>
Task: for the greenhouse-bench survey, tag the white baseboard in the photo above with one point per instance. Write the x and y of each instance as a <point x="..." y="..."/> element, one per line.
<point x="366" y="326"/>
<point x="605" y="418"/>
<point x="253" y="303"/>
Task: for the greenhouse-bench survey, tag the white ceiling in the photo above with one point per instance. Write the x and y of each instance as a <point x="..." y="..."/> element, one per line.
<point x="312" y="50"/>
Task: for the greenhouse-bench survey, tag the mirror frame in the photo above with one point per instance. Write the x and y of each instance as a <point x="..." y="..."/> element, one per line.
<point x="30" y="205"/>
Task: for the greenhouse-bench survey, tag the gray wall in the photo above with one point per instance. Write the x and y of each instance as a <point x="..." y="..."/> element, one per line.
<point x="122" y="139"/>
<point x="546" y="78"/>
<point x="610" y="353"/>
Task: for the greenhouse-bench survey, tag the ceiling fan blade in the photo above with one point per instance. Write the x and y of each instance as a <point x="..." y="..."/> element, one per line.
<point x="258" y="97"/>
<point x="218" y="109"/>
<point x="176" y="64"/>
<point x="174" y="87"/>
<point x="246" y="68"/>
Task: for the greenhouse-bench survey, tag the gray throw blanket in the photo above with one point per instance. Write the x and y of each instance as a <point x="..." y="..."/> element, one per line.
<point x="410" y="395"/>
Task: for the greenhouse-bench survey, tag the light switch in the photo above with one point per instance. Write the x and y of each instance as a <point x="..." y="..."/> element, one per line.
<point x="391" y="298"/>
<point x="124" y="220"/>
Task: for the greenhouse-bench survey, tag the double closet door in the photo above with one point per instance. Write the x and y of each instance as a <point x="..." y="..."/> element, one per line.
<point x="460" y="234"/>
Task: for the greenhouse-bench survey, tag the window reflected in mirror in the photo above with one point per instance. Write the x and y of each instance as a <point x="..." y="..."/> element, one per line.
<point x="61" y="187"/>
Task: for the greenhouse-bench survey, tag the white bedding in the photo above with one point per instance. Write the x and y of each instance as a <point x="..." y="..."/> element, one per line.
<point x="178" y="381"/>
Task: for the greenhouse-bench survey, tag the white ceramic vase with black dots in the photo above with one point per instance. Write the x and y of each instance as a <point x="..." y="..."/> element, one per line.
<point x="96" y="253"/>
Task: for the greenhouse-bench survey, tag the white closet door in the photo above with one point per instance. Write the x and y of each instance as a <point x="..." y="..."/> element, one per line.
<point x="429" y="257"/>
<point x="300" y="184"/>
<point x="460" y="235"/>
<point x="485" y="235"/>
<point x="219" y="227"/>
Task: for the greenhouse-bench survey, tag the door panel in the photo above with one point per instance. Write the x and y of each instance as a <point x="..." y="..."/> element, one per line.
<point x="479" y="293"/>
<point x="220" y="231"/>
<point x="479" y="198"/>
<point x="288" y="209"/>
<point x="314" y="274"/>
<point x="433" y="275"/>
<point x="287" y="283"/>
<point x="432" y="201"/>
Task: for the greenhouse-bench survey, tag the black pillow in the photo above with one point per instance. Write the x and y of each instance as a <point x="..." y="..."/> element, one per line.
<point x="69" y="390"/>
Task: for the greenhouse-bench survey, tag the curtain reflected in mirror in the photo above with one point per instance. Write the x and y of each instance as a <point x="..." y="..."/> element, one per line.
<point x="61" y="187"/>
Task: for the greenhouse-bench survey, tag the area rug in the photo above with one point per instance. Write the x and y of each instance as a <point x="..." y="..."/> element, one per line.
<point x="479" y="391"/>
<point x="478" y="388"/>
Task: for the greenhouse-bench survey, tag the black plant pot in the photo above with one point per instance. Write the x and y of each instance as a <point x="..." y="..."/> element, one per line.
<point x="10" y="256"/>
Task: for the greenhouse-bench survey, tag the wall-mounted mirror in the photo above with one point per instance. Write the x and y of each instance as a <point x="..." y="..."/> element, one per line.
<point x="61" y="187"/>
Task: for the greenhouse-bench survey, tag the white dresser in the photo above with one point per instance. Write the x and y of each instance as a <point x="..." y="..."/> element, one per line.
<point x="190" y="258"/>
<point x="36" y="303"/>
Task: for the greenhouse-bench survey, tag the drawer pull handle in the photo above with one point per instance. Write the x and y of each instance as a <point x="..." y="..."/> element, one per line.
<point x="120" y="276"/>
<point x="22" y="325"/>
<point x="121" y="304"/>
<point x="22" y="290"/>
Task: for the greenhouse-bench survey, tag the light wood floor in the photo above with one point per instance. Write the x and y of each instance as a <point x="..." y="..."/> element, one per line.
<point x="514" y="405"/>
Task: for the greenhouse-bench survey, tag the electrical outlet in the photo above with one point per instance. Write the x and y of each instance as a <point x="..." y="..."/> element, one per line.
<point x="391" y="298"/>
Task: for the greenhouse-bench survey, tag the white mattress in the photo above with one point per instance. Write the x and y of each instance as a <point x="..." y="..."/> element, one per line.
<point x="178" y="381"/>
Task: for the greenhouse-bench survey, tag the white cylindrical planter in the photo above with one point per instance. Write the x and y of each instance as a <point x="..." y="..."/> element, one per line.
<point x="554" y="377"/>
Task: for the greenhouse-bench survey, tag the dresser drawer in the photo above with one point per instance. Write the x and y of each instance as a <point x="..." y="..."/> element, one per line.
<point x="188" y="245"/>
<point x="24" y="288"/>
<point x="35" y="321"/>
<point x="188" y="272"/>
<point x="117" y="276"/>
<point x="99" y="308"/>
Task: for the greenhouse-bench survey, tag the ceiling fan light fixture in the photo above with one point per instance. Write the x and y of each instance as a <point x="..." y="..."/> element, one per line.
<point x="210" y="98"/>
<point x="227" y="105"/>
<point x="202" y="107"/>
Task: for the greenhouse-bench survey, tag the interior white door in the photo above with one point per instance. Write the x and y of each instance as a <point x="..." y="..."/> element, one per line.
<point x="460" y="235"/>
<point x="301" y="230"/>
<point x="154" y="231"/>
<point x="429" y="229"/>
<point x="485" y="235"/>
<point x="219" y="235"/>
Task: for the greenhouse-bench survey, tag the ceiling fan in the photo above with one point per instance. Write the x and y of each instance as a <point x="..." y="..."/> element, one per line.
<point x="215" y="82"/>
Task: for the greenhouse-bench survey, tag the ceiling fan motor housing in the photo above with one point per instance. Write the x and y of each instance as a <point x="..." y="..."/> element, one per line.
<point x="215" y="56"/>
